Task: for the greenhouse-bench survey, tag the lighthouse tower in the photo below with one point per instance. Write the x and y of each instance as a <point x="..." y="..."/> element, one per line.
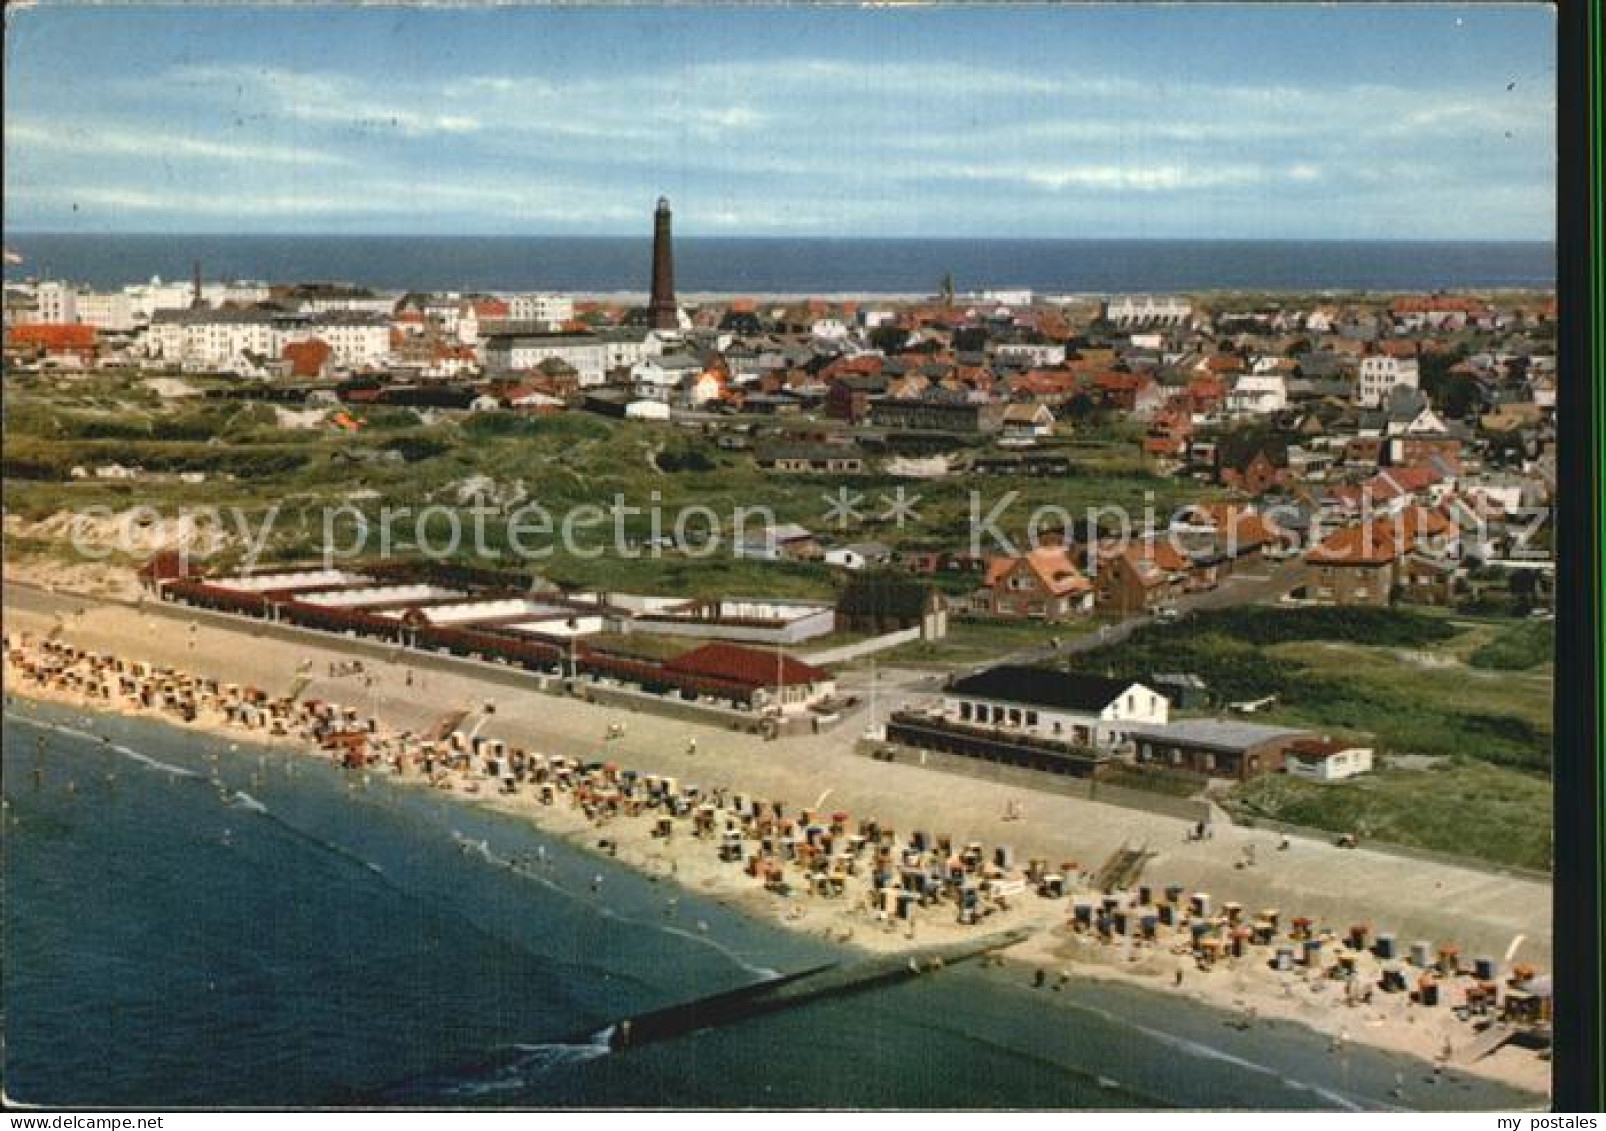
<point x="661" y="311"/>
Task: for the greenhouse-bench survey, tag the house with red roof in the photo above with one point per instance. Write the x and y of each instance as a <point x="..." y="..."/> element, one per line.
<point x="1168" y="434"/>
<point x="64" y="341"/>
<point x="1226" y="536"/>
<point x="1042" y="584"/>
<point x="1134" y="393"/>
<point x="1042" y="386"/>
<point x="1140" y="576"/>
<point x="308" y="358"/>
<point x="1361" y="564"/>
<point x="780" y="683"/>
<point x="1255" y="477"/>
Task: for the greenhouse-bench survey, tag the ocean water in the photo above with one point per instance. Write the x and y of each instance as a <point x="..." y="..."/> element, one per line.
<point x="194" y="922"/>
<point x="787" y="266"/>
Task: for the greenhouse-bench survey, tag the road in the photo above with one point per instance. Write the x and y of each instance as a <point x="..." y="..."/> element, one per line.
<point x="1266" y="584"/>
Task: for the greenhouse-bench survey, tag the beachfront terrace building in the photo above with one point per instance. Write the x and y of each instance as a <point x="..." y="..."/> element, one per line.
<point x="779" y="683"/>
<point x="302" y="580"/>
<point x="750" y="620"/>
<point x="1070" y="707"/>
<point x="377" y="597"/>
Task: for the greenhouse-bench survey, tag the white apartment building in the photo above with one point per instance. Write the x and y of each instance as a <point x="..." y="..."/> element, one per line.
<point x="55" y="303"/>
<point x="360" y="304"/>
<point x="586" y="354"/>
<point x="1039" y="355"/>
<point x="355" y="339"/>
<point x="221" y="337"/>
<point x="113" y="311"/>
<point x="212" y="337"/>
<point x="549" y="310"/>
<point x="1380" y="373"/>
<point x="1146" y="310"/>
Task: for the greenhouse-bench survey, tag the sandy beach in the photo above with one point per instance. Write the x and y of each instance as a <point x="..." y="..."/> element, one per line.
<point x="1480" y="913"/>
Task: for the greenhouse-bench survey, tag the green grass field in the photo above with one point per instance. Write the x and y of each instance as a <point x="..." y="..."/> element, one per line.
<point x="1462" y="807"/>
<point x="400" y="458"/>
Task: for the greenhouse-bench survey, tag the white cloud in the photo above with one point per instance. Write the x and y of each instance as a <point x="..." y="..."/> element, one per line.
<point x="137" y="141"/>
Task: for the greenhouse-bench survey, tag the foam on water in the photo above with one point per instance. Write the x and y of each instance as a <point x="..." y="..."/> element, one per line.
<point x="482" y="849"/>
<point x="1205" y="1051"/>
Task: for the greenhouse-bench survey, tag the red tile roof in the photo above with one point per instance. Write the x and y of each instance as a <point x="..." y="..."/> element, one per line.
<point x="1052" y="566"/>
<point x="1380" y="541"/>
<point x="755" y="667"/>
<point x="52" y="336"/>
<point x="306" y="358"/>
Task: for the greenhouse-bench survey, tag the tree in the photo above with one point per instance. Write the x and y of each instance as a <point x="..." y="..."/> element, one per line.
<point x="889" y="338"/>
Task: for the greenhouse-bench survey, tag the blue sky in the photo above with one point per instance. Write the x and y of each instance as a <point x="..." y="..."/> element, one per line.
<point x="1351" y="122"/>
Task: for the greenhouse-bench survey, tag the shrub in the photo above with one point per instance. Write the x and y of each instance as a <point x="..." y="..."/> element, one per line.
<point x="1518" y="647"/>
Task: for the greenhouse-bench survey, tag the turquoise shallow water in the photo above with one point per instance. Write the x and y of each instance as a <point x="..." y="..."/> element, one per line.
<point x="190" y="924"/>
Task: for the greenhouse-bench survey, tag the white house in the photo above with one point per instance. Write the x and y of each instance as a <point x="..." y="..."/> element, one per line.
<point x="657" y="378"/>
<point x="1027" y="422"/>
<point x="647" y="410"/>
<point x="859" y="555"/>
<point x="1326" y="760"/>
<point x="586" y="353"/>
<point x="697" y="389"/>
<point x="1258" y="394"/>
<point x="1380" y="373"/>
<point x="1070" y="707"/>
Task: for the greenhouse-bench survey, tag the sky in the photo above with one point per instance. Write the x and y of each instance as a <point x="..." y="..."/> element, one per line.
<point x="1124" y="121"/>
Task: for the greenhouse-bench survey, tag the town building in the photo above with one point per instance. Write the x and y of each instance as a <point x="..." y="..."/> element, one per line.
<point x="1217" y="748"/>
<point x="1071" y="707"/>
<point x="549" y="311"/>
<point x="1146" y="310"/>
<point x="1042" y="584"/>
<point x="939" y="411"/>
<point x="1381" y="372"/>
<point x="1322" y="759"/>
<point x="1361" y="564"/>
<point x="779" y="683"/>
<point x="812" y="459"/>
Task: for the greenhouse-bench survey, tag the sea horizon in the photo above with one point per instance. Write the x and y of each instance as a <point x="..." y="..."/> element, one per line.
<point x="600" y="264"/>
